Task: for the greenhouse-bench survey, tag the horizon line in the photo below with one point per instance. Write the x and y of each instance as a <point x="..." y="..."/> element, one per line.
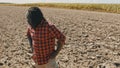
<point x="54" y="2"/>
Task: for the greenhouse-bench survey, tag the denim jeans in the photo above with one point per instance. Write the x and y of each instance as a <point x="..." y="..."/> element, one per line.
<point x="51" y="64"/>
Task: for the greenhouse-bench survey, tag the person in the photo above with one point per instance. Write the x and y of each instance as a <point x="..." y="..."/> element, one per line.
<point x="42" y="37"/>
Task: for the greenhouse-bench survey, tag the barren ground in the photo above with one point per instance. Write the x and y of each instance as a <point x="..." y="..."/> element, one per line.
<point x="93" y="38"/>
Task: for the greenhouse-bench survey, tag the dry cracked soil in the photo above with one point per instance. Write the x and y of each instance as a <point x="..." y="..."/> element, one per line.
<point x="93" y="38"/>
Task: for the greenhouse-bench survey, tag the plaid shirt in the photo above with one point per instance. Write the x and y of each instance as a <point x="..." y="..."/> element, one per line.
<point x="43" y="41"/>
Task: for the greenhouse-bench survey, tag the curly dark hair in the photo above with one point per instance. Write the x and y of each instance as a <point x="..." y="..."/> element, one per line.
<point x="34" y="16"/>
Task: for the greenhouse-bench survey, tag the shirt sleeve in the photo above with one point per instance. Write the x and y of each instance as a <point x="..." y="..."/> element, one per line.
<point x="58" y="35"/>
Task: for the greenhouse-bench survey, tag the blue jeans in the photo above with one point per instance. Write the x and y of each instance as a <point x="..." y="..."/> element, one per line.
<point x="51" y="64"/>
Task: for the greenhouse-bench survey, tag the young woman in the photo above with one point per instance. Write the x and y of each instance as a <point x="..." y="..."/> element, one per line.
<point x="42" y="37"/>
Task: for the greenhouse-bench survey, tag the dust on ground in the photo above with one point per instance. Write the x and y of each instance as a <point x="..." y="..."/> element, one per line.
<point x="93" y="38"/>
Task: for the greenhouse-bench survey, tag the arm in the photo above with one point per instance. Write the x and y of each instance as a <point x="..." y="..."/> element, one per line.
<point x="55" y="53"/>
<point x="61" y="41"/>
<point x="29" y="39"/>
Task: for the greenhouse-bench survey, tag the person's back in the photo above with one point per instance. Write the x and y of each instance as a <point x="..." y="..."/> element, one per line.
<point x="42" y="36"/>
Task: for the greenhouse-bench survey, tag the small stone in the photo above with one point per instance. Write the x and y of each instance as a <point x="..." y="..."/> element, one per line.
<point x="86" y="35"/>
<point x="98" y="56"/>
<point x="93" y="58"/>
<point x="30" y="54"/>
<point x="114" y="53"/>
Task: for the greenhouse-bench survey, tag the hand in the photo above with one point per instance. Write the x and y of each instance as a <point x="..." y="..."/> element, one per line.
<point x="53" y="55"/>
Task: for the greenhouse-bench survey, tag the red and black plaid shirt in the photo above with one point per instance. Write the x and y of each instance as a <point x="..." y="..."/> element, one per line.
<point x="43" y="41"/>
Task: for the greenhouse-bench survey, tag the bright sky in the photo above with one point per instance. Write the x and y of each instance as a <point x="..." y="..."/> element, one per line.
<point x="62" y="1"/>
